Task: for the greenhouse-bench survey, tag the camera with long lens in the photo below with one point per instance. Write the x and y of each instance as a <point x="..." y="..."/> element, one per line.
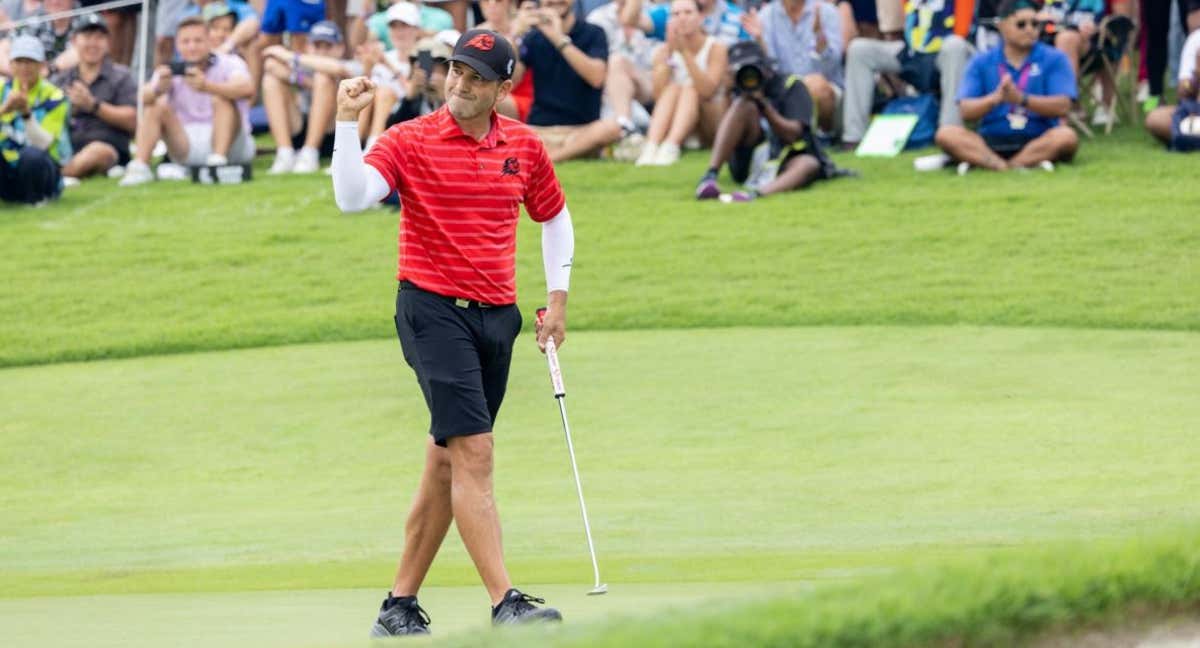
<point x="751" y="69"/>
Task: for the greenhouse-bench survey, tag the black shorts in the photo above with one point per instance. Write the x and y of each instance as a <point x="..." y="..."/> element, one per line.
<point x="1007" y="146"/>
<point x="460" y="353"/>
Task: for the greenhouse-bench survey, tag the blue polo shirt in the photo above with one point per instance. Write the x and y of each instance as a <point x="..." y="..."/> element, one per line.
<point x="1046" y="73"/>
<point x="560" y="96"/>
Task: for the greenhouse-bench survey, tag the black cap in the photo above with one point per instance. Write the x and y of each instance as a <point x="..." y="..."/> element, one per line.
<point x="746" y="51"/>
<point x="88" y="22"/>
<point x="487" y="52"/>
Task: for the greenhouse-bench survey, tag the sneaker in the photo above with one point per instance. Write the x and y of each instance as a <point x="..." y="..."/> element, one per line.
<point x="170" y="171"/>
<point x="518" y="608"/>
<point x="629" y="148"/>
<point x="1046" y="165"/>
<point x="216" y="160"/>
<point x="1103" y="117"/>
<point x="963" y="167"/>
<point x="1150" y="103"/>
<point x="116" y="171"/>
<point x="1143" y="91"/>
<point x="931" y="162"/>
<point x="400" y="616"/>
<point x="707" y="189"/>
<point x="69" y="182"/>
<point x="308" y="161"/>
<point x="649" y="150"/>
<point x="136" y="173"/>
<point x="285" y="159"/>
<point x="666" y="155"/>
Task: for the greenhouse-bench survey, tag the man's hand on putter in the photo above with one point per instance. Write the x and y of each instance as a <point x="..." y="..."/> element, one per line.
<point x="352" y="96"/>
<point x="555" y="321"/>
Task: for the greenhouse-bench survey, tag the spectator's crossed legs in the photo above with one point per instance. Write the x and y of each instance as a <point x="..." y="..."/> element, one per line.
<point x="95" y="157"/>
<point x="570" y="142"/>
<point x="1055" y="145"/>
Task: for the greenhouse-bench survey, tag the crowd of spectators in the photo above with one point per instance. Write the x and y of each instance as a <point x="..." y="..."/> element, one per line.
<point x="768" y="86"/>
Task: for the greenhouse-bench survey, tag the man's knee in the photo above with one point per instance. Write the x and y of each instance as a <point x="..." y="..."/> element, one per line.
<point x="947" y="135"/>
<point x="819" y="88"/>
<point x="472" y="455"/>
<point x="1066" y="141"/>
<point x="1068" y="42"/>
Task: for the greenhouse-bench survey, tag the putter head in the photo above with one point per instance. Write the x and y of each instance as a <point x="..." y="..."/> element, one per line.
<point x="598" y="590"/>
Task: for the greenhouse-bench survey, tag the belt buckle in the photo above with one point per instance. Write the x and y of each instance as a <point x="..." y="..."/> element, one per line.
<point x="462" y="303"/>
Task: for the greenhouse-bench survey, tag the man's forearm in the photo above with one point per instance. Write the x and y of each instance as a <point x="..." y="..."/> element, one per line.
<point x="972" y="109"/>
<point x="592" y="70"/>
<point x="1056" y="106"/>
<point x="231" y="90"/>
<point x="123" y="117"/>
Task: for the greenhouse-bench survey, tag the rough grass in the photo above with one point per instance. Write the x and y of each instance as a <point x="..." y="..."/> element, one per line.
<point x="1106" y="243"/>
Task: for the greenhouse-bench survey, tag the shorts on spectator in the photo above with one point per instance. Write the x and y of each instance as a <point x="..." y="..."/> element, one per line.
<point x="122" y="148"/>
<point x="200" y="146"/>
<point x="1007" y="146"/>
<point x="292" y="16"/>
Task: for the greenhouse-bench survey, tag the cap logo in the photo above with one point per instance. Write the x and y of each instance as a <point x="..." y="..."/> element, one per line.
<point x="510" y="67"/>
<point x="482" y="42"/>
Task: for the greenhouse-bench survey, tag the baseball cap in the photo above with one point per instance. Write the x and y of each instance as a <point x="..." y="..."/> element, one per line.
<point x="325" y="31"/>
<point x="405" y="12"/>
<point x="89" y="22"/>
<point x="27" y="47"/>
<point x="436" y="48"/>
<point x="487" y="52"/>
<point x="448" y="36"/>
<point x="214" y="10"/>
<point x="746" y="51"/>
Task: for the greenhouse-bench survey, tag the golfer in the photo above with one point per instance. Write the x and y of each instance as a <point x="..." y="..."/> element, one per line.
<point x="461" y="172"/>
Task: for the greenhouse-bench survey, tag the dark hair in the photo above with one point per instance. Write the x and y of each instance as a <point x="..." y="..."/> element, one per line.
<point x="1010" y="7"/>
<point x="191" y="21"/>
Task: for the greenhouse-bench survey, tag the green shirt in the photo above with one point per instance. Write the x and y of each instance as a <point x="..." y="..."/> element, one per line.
<point x="48" y="106"/>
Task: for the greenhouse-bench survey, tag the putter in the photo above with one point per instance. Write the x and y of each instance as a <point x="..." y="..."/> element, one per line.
<point x="559" y="395"/>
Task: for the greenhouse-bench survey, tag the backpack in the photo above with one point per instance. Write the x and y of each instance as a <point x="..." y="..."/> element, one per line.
<point x="926" y="108"/>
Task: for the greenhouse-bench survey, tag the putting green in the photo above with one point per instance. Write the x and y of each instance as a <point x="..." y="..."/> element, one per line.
<point x="767" y="454"/>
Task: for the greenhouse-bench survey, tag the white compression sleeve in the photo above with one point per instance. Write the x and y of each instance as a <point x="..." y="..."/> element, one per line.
<point x="356" y="185"/>
<point x="558" y="250"/>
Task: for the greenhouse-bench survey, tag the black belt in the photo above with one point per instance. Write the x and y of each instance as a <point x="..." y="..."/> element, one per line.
<point x="457" y="301"/>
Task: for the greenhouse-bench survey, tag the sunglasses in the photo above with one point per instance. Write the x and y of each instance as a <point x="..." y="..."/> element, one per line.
<point x="1028" y="24"/>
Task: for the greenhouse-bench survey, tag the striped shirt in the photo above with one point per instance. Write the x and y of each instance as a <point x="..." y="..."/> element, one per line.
<point x="461" y="199"/>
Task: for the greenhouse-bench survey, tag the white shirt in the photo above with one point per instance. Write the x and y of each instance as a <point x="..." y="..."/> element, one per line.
<point x="1187" y="64"/>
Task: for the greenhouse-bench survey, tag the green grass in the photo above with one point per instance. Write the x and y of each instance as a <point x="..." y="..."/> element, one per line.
<point x="735" y="454"/>
<point x="996" y="601"/>
<point x="1106" y="243"/>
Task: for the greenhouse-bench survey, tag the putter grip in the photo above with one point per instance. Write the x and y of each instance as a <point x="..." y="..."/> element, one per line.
<point x="552" y="360"/>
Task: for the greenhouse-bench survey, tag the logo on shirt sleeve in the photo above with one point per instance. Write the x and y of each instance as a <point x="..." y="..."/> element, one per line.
<point x="511" y="167"/>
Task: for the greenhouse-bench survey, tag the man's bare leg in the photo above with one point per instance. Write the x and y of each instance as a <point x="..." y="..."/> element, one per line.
<point x="1056" y="145"/>
<point x="967" y="146"/>
<point x="226" y="122"/>
<point x="1158" y="122"/>
<point x="96" y="157"/>
<point x="587" y="139"/>
<point x="428" y="521"/>
<point x="474" y="504"/>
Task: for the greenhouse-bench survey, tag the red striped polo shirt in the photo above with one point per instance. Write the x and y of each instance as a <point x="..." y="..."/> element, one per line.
<point x="461" y="200"/>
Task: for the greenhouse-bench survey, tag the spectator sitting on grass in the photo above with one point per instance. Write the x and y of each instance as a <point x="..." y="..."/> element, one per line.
<point x="389" y="69"/>
<point x="628" y="88"/>
<point x="201" y="114"/>
<point x="1160" y="121"/>
<point x="33" y="128"/>
<point x="1018" y="92"/>
<point x="688" y="71"/>
<point x="805" y="38"/>
<point x="103" y="98"/>
<point x="569" y="59"/>
<point x="783" y="103"/>
<point x="867" y="57"/>
<point x="287" y="79"/>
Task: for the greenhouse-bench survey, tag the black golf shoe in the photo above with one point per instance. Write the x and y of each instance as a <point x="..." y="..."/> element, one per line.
<point x="400" y="616"/>
<point x="518" y="608"/>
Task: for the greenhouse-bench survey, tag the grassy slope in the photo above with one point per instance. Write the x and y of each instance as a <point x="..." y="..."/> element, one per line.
<point x="805" y="453"/>
<point x="1106" y="243"/>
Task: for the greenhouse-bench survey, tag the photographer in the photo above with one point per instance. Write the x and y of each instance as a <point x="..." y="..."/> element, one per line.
<point x="767" y="107"/>
<point x="199" y="108"/>
<point x="426" y="82"/>
<point x="33" y="133"/>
